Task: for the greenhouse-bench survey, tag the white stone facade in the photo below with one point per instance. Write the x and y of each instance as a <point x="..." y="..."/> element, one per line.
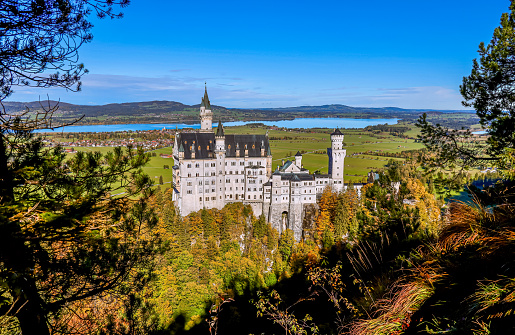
<point x="212" y="169"/>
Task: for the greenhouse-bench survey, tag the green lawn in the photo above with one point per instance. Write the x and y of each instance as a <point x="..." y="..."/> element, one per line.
<point x="285" y="144"/>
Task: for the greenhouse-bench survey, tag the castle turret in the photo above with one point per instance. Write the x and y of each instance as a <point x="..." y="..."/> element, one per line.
<point x="206" y="116"/>
<point x="336" y="155"/>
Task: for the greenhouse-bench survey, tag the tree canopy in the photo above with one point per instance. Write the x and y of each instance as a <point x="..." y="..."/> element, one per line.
<point x="75" y="234"/>
<point x="40" y="39"/>
<point x="490" y="90"/>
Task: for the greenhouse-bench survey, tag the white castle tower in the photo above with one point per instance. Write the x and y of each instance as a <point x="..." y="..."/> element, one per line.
<point x="336" y="155"/>
<point x="220" y="153"/>
<point x="206" y="116"/>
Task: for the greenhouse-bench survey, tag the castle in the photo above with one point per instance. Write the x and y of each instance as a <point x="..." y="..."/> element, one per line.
<point x="212" y="169"/>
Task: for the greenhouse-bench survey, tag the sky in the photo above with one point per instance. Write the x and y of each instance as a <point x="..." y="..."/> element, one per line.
<point x="259" y="54"/>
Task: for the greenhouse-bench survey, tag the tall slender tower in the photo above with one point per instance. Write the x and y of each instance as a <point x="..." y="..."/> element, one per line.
<point x="206" y="116"/>
<point x="336" y="155"/>
<point x="220" y="153"/>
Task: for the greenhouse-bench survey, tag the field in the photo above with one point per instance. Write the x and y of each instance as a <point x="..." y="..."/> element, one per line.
<point x="312" y="144"/>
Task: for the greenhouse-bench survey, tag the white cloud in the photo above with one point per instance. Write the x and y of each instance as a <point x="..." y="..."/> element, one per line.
<point x="241" y="92"/>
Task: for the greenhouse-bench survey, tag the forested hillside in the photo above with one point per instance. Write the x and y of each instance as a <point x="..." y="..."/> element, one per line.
<point x="176" y="112"/>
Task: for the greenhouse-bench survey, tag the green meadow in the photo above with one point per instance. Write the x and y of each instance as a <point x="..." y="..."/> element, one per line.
<point x="313" y="144"/>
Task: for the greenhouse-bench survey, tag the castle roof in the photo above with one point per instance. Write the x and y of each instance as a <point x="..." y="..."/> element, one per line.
<point x="298" y="154"/>
<point x="205" y="100"/>
<point x="220" y="129"/>
<point x="297" y="177"/>
<point x="204" y="145"/>
<point x="285" y="165"/>
<point x="322" y="176"/>
<point x="337" y="132"/>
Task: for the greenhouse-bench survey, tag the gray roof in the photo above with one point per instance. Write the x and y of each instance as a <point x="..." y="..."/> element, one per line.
<point x="297" y="177"/>
<point x="205" y="100"/>
<point x="204" y="144"/>
<point x="220" y="129"/>
<point x="337" y="132"/>
<point x="298" y="154"/>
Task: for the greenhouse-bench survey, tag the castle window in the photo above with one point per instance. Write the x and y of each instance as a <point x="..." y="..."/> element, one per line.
<point x="188" y="192"/>
<point x="230" y="172"/>
<point x="242" y="163"/>
<point x="189" y="174"/>
<point x="200" y="199"/>
<point x="207" y="147"/>
<point x="189" y="183"/>
<point x="233" y="163"/>
<point x="206" y="165"/>
<point x="229" y="146"/>
<point x="249" y="196"/>
<point x="253" y="146"/>
<point x="199" y="148"/>
<point x="197" y="174"/>
<point x="254" y="197"/>
<point x="213" y="198"/>
<point x="207" y="198"/>
<point x="189" y="166"/>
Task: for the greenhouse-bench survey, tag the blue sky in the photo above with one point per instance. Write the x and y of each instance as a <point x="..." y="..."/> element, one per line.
<point x="409" y="54"/>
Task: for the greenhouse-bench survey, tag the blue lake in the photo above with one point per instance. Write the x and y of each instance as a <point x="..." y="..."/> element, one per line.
<point x="343" y="123"/>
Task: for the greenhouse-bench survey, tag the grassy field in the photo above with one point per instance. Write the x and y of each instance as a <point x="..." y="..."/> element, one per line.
<point x="313" y="145"/>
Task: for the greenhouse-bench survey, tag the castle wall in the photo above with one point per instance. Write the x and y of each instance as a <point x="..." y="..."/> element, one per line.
<point x="241" y="171"/>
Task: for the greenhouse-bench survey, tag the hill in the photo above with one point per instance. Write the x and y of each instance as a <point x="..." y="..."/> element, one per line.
<point x="176" y="112"/>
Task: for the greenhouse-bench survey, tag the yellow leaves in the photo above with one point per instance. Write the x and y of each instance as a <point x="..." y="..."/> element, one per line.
<point x="427" y="205"/>
<point x="323" y="222"/>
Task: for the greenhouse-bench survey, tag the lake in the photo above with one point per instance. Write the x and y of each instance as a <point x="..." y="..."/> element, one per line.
<point x="343" y="123"/>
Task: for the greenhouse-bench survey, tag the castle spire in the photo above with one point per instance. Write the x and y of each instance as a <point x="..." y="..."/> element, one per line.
<point x="220" y="129"/>
<point x="206" y="115"/>
<point x="205" y="99"/>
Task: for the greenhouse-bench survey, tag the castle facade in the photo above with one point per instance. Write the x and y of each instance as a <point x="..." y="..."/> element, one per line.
<point x="212" y="169"/>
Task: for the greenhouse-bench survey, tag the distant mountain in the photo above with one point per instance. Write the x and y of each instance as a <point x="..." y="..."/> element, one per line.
<point x="349" y="109"/>
<point x="172" y="111"/>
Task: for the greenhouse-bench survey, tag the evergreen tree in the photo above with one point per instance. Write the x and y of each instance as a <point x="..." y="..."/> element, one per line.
<point x="63" y="237"/>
